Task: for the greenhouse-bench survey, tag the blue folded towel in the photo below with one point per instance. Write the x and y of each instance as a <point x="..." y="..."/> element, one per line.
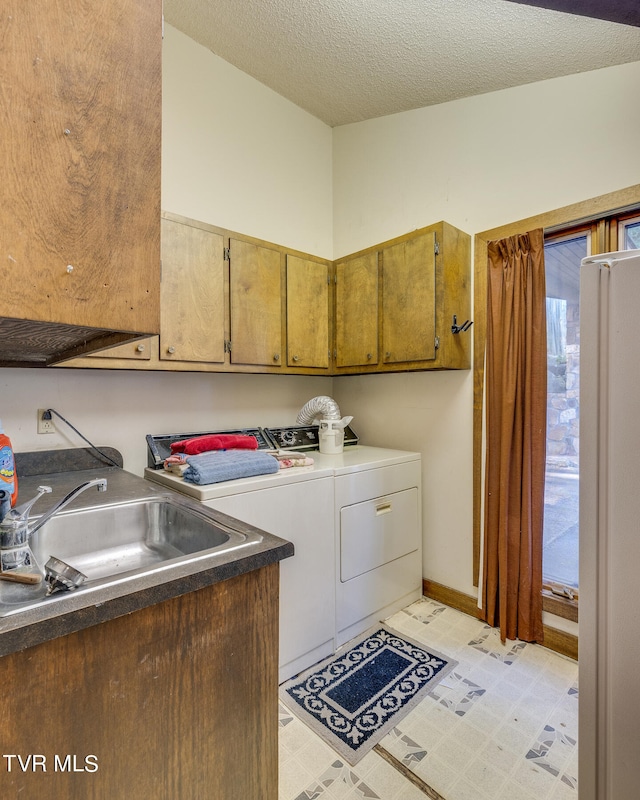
<point x="225" y="465"/>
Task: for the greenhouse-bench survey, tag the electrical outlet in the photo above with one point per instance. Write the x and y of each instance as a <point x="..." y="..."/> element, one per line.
<point x="45" y="425"/>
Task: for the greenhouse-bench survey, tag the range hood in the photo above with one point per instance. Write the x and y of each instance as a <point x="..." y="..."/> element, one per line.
<point x="28" y="343"/>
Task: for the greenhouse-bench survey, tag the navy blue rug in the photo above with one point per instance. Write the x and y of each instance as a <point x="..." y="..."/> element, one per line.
<point x="355" y="697"/>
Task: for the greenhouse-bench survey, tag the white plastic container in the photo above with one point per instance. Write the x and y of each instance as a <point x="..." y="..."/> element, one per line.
<point x="331" y="435"/>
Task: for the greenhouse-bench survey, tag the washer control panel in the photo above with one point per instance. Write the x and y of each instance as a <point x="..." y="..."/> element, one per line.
<point x="303" y="437"/>
<point x="291" y="437"/>
<point x="159" y="445"/>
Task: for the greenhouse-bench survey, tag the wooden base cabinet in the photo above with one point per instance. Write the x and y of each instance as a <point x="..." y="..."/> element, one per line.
<point x="80" y="110"/>
<point x="178" y="700"/>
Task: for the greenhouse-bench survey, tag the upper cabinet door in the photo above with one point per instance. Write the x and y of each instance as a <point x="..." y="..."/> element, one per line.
<point x="193" y="300"/>
<point x="256" y="298"/>
<point x="307" y="313"/>
<point x="357" y="311"/>
<point x="80" y="112"/>
<point x="409" y="300"/>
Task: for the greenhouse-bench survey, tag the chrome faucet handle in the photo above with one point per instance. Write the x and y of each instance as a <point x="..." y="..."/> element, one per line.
<point x="20" y="513"/>
<point x="99" y="483"/>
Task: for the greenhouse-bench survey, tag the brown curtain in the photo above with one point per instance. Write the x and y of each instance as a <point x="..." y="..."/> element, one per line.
<point x="516" y="412"/>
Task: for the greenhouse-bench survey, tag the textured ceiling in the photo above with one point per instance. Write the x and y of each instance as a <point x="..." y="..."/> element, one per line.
<point x="349" y="60"/>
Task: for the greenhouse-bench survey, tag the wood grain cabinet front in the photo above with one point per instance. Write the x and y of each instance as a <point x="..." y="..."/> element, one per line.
<point x="231" y="303"/>
<point x="409" y="300"/>
<point x="395" y="304"/>
<point x="192" y="309"/>
<point x="256" y="299"/>
<point x="140" y="350"/>
<point x="80" y="110"/>
<point x="356" y="313"/>
<point x="176" y="701"/>
<point x="308" y="313"/>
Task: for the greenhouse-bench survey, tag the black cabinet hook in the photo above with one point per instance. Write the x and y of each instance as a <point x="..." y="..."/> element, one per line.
<point x="455" y="328"/>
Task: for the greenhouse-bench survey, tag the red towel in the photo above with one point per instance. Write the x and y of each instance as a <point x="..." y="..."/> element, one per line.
<point x="215" y="441"/>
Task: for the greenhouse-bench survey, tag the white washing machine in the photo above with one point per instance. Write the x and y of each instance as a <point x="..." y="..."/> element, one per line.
<point x="355" y="523"/>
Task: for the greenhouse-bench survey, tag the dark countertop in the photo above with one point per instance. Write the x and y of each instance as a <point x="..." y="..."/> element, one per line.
<point x="66" y="612"/>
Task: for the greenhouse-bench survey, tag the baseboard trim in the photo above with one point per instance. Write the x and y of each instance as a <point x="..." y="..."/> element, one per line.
<point x="559" y="641"/>
<point x="450" y="597"/>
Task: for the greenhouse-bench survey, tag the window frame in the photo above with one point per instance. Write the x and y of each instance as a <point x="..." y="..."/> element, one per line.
<point x="622" y="222"/>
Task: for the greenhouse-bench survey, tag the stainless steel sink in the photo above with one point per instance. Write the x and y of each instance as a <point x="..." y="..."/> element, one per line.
<point x="117" y="542"/>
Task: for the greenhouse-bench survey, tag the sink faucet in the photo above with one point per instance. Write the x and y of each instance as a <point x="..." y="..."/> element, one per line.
<point x="15" y="530"/>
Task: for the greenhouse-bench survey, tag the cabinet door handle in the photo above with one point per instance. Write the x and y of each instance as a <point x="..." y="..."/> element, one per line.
<point x="276" y="357"/>
<point x="383" y="508"/>
<point x="296" y="358"/>
<point x="140" y="348"/>
<point x="171" y="350"/>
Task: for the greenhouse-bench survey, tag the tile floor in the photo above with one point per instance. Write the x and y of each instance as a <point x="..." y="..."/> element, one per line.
<point x="502" y="726"/>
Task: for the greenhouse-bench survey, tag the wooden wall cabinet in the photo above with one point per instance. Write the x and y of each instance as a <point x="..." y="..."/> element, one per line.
<point x="395" y="304"/>
<point x="192" y="308"/>
<point x="231" y="303"/>
<point x="356" y="312"/>
<point x="409" y="300"/>
<point x="80" y="110"/>
<point x="256" y="300"/>
<point x="308" y="313"/>
<point x="140" y="350"/>
<point x="279" y="308"/>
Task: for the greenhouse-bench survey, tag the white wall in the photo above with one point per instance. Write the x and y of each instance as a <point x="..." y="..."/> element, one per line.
<point x="237" y="155"/>
<point x="118" y="409"/>
<point x="485" y="161"/>
<point x="477" y="163"/>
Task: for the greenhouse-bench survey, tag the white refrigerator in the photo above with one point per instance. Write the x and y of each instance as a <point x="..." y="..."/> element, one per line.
<point x="609" y="653"/>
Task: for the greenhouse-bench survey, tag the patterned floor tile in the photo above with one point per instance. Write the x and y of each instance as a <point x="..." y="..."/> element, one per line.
<point x="502" y="725"/>
<point x="464" y="789"/>
<point x="436" y="774"/>
<point x="535" y="779"/>
<point x="294" y="777"/>
<point x="404" y="748"/>
<point x="458" y="694"/>
<point x="489" y="642"/>
<point x="552" y="750"/>
<point x="515" y="791"/>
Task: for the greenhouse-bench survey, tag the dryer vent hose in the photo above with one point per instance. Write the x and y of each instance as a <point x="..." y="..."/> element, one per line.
<point x="321" y="407"/>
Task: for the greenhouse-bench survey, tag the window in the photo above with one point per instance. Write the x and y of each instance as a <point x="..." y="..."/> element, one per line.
<point x="629" y="238"/>
<point x="563" y="252"/>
